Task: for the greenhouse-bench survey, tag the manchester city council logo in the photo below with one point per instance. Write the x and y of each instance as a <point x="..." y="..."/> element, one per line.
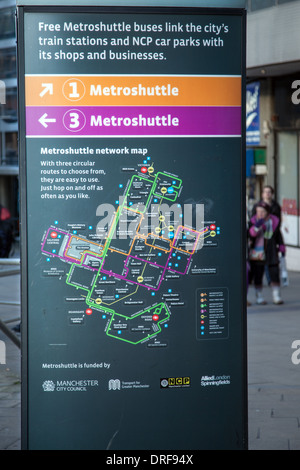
<point x="48" y="386"/>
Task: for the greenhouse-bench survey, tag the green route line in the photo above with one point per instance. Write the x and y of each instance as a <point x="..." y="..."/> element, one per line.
<point x="100" y="306"/>
<point x="112" y="230"/>
<point x="113" y="227"/>
<point x="157" y="309"/>
<point x="170" y="197"/>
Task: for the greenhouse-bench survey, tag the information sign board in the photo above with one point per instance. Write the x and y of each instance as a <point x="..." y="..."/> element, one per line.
<point x="133" y="275"/>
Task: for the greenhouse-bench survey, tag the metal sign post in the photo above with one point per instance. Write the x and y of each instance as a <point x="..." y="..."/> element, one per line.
<point x="133" y="273"/>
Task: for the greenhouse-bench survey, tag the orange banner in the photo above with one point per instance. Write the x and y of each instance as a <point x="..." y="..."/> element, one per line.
<point x="98" y="90"/>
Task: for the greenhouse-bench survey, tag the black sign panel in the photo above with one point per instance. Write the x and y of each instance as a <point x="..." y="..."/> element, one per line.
<point x="132" y="165"/>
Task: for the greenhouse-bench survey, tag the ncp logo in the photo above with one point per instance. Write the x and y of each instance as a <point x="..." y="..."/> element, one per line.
<point x="114" y="384"/>
<point x="2" y="353"/>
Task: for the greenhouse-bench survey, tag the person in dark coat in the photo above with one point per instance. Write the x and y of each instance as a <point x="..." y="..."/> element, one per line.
<point x="275" y="209"/>
<point x="267" y="196"/>
<point x="265" y="244"/>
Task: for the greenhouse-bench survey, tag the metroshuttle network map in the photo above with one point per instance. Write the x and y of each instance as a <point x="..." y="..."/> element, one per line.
<point x="122" y="278"/>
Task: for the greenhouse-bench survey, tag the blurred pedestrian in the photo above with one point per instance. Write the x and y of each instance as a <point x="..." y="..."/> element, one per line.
<point x="265" y="244"/>
<point x="6" y="232"/>
<point x="267" y="195"/>
<point x="275" y="209"/>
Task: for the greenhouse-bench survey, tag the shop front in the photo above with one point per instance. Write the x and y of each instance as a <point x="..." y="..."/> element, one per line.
<point x="287" y="162"/>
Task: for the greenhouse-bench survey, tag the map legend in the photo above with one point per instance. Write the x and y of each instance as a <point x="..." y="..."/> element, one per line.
<point x="212" y="313"/>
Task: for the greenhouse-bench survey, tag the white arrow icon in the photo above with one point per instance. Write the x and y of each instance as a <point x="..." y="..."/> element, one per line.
<point x="48" y="88"/>
<point x="43" y="120"/>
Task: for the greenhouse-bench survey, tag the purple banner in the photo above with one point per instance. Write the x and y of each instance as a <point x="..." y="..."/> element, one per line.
<point x="133" y="121"/>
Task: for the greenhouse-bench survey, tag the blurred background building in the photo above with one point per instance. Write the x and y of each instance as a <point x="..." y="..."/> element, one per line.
<point x="273" y="110"/>
<point x="9" y="182"/>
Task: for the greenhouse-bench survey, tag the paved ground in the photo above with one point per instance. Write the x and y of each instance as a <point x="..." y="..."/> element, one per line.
<point x="10" y="373"/>
<point x="274" y="380"/>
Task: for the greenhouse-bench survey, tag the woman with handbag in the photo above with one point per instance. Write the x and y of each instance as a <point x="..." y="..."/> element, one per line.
<point x="265" y="244"/>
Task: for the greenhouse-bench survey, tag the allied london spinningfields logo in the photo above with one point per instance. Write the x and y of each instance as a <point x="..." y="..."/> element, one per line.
<point x="81" y="385"/>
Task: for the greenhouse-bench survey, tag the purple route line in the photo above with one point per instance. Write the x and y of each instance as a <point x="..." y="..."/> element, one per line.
<point x="124" y="277"/>
<point x="92" y="256"/>
<point x="65" y="257"/>
<point x="159" y="265"/>
<point x="118" y="276"/>
<point x="165" y="268"/>
<point x="52" y="229"/>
